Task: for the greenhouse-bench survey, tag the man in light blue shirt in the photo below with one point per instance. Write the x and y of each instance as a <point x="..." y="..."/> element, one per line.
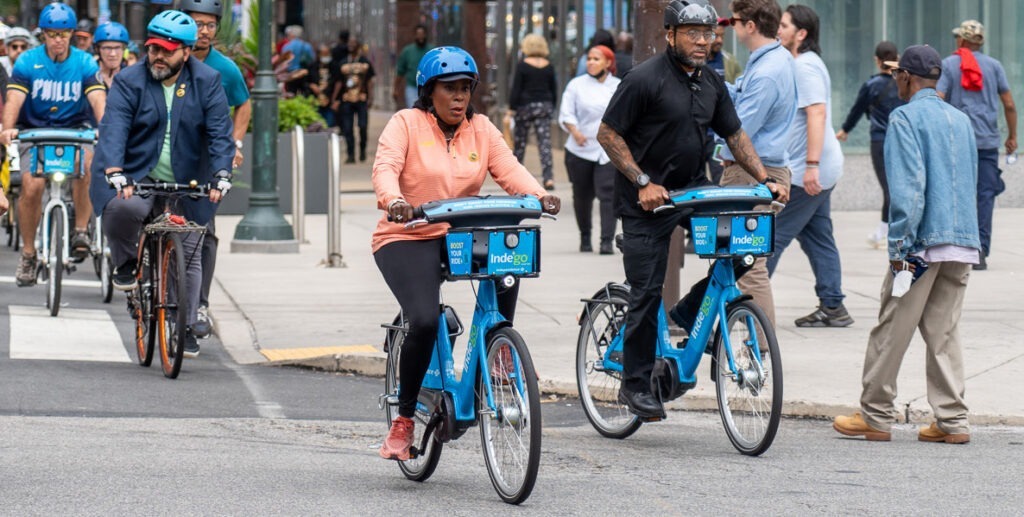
<point x="980" y="102"/>
<point x="816" y="162"/>
<point x="931" y="165"/>
<point x="765" y="99"/>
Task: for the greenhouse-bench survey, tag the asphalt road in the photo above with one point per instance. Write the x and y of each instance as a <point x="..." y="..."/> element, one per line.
<point x="85" y="432"/>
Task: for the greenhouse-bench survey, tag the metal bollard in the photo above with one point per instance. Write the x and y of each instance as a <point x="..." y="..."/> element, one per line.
<point x="334" y="202"/>
<point x="299" y="185"/>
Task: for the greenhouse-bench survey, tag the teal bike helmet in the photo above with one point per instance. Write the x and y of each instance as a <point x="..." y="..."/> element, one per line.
<point x="175" y="26"/>
<point x="111" y="31"/>
<point x="447" y="63"/>
<point x="58" y="16"/>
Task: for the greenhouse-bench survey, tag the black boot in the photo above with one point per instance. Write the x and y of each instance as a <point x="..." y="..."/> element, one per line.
<point x="585" y="246"/>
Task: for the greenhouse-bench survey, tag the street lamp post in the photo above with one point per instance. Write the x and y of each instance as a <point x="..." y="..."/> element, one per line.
<point x="264" y="229"/>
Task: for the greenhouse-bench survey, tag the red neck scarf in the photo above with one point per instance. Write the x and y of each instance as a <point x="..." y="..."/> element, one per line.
<point x="970" y="72"/>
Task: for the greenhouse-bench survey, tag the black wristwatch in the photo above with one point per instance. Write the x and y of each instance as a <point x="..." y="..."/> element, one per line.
<point x="642" y="180"/>
<point x="767" y="180"/>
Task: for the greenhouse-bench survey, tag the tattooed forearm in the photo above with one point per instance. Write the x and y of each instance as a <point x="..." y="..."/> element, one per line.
<point x="743" y="150"/>
<point x="618" y="152"/>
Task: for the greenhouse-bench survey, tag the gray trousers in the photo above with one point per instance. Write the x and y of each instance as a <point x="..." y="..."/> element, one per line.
<point x="932" y="306"/>
<point x="123" y="220"/>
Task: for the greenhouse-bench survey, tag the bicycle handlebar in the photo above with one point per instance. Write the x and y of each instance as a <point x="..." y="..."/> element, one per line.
<point x="193" y="189"/>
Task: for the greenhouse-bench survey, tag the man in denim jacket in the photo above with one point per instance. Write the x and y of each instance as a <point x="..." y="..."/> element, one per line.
<point x="931" y="165"/>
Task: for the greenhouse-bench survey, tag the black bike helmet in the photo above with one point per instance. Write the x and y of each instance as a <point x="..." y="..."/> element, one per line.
<point x="214" y="7"/>
<point x="690" y="12"/>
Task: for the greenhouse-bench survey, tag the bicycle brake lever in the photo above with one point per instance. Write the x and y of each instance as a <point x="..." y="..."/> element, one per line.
<point x="662" y="208"/>
<point x="414" y="223"/>
<point x="777" y="206"/>
<point x="548" y="216"/>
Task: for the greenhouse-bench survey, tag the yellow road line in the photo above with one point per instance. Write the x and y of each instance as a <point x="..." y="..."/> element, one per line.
<point x="291" y="354"/>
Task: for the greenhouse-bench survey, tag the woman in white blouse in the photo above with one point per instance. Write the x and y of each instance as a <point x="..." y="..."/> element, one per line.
<point x="590" y="170"/>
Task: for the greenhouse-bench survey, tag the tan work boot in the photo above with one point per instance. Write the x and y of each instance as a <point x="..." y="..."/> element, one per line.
<point x="856" y="426"/>
<point x="932" y="433"/>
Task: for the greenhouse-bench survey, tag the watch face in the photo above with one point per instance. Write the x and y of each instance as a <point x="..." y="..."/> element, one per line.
<point x="642" y="180"/>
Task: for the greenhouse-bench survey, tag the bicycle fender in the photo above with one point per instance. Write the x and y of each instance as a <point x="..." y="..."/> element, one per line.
<point x="738" y="299"/>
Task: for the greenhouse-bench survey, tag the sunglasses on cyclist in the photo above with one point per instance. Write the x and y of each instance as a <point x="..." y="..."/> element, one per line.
<point x="58" y="34"/>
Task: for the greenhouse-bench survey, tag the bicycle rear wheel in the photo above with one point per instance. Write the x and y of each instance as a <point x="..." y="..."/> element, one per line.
<point x="422" y="466"/>
<point x="171" y="316"/>
<point x="140" y="300"/>
<point x="510" y="432"/>
<point x="749" y="398"/>
<point x="598" y="387"/>
<point x="54" y="262"/>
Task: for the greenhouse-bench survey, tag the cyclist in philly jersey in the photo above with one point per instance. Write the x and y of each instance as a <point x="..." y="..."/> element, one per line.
<point x="49" y="87"/>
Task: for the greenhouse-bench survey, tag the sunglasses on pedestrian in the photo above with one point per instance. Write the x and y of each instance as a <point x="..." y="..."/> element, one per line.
<point x="735" y="19"/>
<point x="18" y="46"/>
<point x="64" y="34"/>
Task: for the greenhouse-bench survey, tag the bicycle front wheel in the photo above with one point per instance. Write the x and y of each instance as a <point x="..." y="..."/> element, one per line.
<point x="510" y="431"/>
<point x="749" y="395"/>
<point x="54" y="261"/>
<point x="422" y="466"/>
<point x="602" y="322"/>
<point x="171" y="316"/>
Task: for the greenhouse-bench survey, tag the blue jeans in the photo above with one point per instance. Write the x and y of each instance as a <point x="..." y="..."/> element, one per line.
<point x="808" y="219"/>
<point x="990" y="185"/>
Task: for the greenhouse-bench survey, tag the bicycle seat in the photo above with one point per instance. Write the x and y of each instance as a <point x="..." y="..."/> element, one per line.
<point x="57" y="136"/>
<point x="477" y="211"/>
<point x="720" y="199"/>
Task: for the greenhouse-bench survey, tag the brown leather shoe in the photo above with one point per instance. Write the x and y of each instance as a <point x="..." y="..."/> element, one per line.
<point x="932" y="433"/>
<point x="856" y="426"/>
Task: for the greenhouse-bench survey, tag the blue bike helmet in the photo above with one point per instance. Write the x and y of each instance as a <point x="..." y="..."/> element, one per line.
<point x="111" y="31"/>
<point x="58" y="16"/>
<point x="446" y="63"/>
<point x="175" y="26"/>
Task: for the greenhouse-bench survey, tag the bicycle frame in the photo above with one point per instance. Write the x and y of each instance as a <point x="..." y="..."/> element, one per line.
<point x="56" y="189"/>
<point x="721" y="292"/>
<point x="462" y="387"/>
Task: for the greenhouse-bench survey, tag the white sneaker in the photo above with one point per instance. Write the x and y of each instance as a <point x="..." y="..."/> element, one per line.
<point x="877" y="242"/>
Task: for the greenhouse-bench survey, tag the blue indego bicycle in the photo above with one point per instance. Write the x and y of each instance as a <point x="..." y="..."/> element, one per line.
<point x="745" y="366"/>
<point x="497" y="387"/>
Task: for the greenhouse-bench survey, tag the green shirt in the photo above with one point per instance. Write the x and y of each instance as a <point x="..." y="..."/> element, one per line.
<point x="409" y="60"/>
<point x="163" y="170"/>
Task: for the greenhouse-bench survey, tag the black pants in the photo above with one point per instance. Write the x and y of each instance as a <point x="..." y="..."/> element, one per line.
<point x="412" y="270"/>
<point x="209" y="258"/>
<point x="346" y="113"/>
<point x="878" y="162"/>
<point x="590" y="179"/>
<point x="645" y="246"/>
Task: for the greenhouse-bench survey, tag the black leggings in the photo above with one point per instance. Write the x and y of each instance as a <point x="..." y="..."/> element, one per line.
<point x="589" y="180"/>
<point x="412" y="270"/>
<point x="878" y="162"/>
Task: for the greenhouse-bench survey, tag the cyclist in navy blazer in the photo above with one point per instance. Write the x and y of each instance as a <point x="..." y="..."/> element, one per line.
<point x="166" y="120"/>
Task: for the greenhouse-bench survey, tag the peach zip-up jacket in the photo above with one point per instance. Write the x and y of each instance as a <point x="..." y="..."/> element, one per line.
<point x="413" y="163"/>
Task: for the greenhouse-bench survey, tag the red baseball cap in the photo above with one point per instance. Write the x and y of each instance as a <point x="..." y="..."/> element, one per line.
<point x="166" y="44"/>
<point x="725" y="22"/>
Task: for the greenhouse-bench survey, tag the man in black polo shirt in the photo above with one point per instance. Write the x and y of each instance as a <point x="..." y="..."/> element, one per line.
<point x="654" y="131"/>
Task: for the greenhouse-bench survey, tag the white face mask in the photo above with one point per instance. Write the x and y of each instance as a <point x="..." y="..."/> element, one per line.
<point x="326" y="60"/>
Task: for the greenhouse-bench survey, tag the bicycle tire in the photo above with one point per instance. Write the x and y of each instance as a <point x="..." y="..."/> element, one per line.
<point x="15" y="224"/>
<point x="423" y="465"/>
<point x="54" y="264"/>
<point x="745" y="398"/>
<point x="106" y="277"/>
<point x="142" y="308"/>
<point x="170" y="273"/>
<point x="516" y="416"/>
<point x="602" y="320"/>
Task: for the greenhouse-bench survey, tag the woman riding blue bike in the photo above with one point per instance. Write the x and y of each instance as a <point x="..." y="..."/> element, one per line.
<point x="435" y="150"/>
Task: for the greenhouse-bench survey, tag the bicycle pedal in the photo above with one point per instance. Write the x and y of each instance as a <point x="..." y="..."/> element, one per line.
<point x="652" y="419"/>
<point x="413" y="453"/>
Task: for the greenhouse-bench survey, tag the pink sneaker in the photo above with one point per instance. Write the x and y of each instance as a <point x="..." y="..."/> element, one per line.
<point x="399" y="439"/>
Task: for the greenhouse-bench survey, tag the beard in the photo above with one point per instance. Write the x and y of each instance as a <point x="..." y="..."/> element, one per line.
<point x="684" y="59"/>
<point x="160" y="75"/>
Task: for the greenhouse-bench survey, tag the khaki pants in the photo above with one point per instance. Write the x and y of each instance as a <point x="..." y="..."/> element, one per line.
<point x="756" y="282"/>
<point x="932" y="305"/>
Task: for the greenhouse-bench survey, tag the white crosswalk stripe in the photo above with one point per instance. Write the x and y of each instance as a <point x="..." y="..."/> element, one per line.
<point x="75" y="335"/>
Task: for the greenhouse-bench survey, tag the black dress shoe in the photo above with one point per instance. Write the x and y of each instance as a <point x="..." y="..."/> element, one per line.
<point x="642" y="404"/>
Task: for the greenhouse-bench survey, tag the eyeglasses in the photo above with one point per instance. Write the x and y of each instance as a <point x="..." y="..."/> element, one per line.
<point x="695" y="35"/>
<point x="111" y="48"/>
<point x="64" y="34"/>
<point x="209" y="26"/>
<point x="735" y="19"/>
<point x="20" y="46"/>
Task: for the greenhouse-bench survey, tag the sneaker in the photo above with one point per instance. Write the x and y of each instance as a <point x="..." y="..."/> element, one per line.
<point x="202" y="327"/>
<point x="362" y="155"/>
<point x="606" y="248"/>
<point x="28" y="268"/>
<point x="81" y="245"/>
<point x="982" y="265"/>
<point x="549" y="184"/>
<point x="855" y="425"/>
<point x="399" y="440"/>
<point x="124" y="278"/>
<point x="350" y="159"/>
<point x="932" y="433"/>
<point x="877" y="242"/>
<point x="191" y="345"/>
<point x="826" y="317"/>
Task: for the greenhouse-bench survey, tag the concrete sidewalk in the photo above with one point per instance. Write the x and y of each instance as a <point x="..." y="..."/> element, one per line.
<point x="290" y="309"/>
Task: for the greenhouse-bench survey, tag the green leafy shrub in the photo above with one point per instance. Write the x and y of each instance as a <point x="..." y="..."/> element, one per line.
<point x="299" y="111"/>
